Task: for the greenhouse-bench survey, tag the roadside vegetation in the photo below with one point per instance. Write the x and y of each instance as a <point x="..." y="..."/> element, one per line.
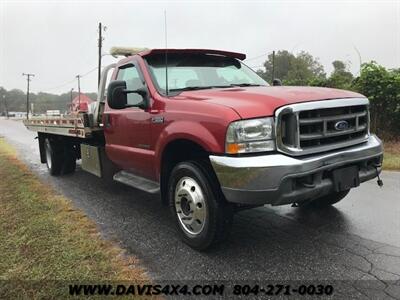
<point x="45" y="244"/>
<point x="379" y="84"/>
<point x="392" y="156"/>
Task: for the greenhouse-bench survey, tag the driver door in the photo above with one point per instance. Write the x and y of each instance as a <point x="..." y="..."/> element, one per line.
<point x="127" y="130"/>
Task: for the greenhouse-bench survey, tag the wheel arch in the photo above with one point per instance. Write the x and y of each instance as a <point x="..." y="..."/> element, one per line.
<point x="176" y="151"/>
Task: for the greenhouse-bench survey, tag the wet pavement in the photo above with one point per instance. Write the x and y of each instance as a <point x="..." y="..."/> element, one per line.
<point x="354" y="244"/>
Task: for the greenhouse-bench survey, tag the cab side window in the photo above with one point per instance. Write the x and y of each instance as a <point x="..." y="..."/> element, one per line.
<point x="133" y="82"/>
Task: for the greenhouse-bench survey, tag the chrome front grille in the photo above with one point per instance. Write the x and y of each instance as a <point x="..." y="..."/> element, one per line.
<point x="318" y="126"/>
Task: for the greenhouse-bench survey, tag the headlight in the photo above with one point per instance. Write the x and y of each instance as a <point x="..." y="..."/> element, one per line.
<point x="247" y="136"/>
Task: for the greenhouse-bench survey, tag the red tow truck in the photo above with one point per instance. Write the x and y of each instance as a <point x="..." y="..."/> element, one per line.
<point x="212" y="137"/>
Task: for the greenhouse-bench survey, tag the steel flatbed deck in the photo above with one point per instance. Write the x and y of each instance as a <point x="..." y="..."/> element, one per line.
<point x="66" y="125"/>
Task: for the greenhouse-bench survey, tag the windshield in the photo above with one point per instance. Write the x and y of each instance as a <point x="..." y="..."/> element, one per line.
<point x="200" y="71"/>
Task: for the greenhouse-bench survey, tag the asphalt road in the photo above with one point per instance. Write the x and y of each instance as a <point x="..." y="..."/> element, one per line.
<point x="357" y="241"/>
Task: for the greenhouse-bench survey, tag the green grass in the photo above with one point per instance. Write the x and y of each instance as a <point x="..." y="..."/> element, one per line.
<point x="391" y="160"/>
<point x="42" y="237"/>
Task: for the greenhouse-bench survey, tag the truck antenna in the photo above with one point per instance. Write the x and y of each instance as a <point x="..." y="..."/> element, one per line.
<point x="166" y="53"/>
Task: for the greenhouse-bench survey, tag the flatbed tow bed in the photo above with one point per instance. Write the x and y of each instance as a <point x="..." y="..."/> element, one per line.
<point x="63" y="139"/>
<point x="67" y="125"/>
<point x="82" y="125"/>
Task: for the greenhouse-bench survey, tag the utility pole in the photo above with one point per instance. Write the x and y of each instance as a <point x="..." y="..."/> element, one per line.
<point x="71" y="99"/>
<point x="5" y="105"/>
<point x="28" y="79"/>
<point x="273" y="66"/>
<point x="79" y="91"/>
<point x="100" y="45"/>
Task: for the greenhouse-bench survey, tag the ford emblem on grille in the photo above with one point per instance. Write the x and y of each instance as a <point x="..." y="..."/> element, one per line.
<point x="341" y="125"/>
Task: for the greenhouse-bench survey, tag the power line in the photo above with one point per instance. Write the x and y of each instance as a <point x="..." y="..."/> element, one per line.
<point x="70" y="81"/>
<point x="59" y="86"/>
<point x="98" y="67"/>
<point x="253" y="67"/>
<point x="255" y="57"/>
<point x="88" y="72"/>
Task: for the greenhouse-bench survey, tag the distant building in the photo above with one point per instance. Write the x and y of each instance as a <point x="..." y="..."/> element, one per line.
<point x="81" y="103"/>
<point x="53" y="112"/>
<point x="17" y="114"/>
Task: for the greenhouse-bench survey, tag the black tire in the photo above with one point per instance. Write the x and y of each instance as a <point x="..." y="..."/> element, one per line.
<point x="60" y="157"/>
<point x="54" y="157"/>
<point x="327" y="200"/>
<point x="219" y="213"/>
<point x="69" y="164"/>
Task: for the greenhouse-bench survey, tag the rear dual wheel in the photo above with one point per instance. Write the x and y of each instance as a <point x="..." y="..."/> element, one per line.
<point x="202" y="216"/>
<point x="60" y="157"/>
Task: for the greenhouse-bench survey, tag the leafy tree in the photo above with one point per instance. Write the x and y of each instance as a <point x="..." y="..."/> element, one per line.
<point x="2" y="101"/>
<point x="304" y="68"/>
<point x="16" y="100"/>
<point x="321" y="82"/>
<point x="382" y="87"/>
<point x="283" y="61"/>
<point x="339" y="66"/>
<point x="340" y="78"/>
<point x="396" y="71"/>
<point x="291" y="69"/>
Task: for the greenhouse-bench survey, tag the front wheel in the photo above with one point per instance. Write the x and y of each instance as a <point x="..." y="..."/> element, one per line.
<point x="202" y="216"/>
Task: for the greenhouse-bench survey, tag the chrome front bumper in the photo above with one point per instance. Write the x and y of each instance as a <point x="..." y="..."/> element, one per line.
<point x="280" y="179"/>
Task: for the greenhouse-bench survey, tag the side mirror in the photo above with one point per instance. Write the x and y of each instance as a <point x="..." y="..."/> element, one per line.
<point x="142" y="91"/>
<point x="276" y="82"/>
<point x="116" y="94"/>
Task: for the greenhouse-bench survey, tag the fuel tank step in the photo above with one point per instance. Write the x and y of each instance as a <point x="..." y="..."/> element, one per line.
<point x="137" y="182"/>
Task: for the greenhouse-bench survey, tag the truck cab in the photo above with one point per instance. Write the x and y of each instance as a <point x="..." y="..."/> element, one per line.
<point x="206" y="132"/>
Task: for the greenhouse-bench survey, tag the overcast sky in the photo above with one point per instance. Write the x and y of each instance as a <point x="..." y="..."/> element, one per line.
<point x="56" y="40"/>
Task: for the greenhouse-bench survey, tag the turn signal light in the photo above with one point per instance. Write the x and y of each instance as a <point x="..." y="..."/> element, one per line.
<point x="232" y="148"/>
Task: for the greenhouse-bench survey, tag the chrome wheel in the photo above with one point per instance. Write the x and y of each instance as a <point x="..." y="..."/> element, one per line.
<point x="48" y="155"/>
<point x="190" y="205"/>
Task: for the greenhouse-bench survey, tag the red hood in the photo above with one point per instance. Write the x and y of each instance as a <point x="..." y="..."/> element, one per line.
<point x="250" y="102"/>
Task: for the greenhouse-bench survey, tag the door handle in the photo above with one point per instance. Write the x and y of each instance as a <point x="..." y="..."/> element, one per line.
<point x="107" y="121"/>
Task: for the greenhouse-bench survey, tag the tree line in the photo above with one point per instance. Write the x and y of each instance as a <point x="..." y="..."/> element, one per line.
<point x="15" y="101"/>
<point x="380" y="85"/>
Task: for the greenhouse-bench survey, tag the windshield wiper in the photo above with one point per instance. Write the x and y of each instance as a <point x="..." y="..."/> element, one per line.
<point x="194" y="88"/>
<point x="244" y="84"/>
<point x="191" y="88"/>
